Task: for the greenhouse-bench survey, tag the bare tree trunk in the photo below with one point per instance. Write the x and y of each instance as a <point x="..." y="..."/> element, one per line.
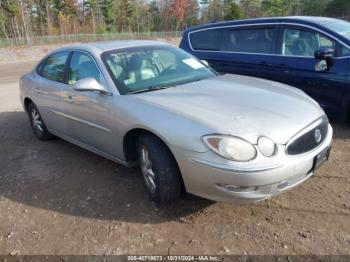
<point x="24" y="23"/>
<point x="14" y="34"/>
<point x="137" y="17"/>
<point x="93" y="21"/>
<point x="17" y="28"/>
<point x="48" y="18"/>
<point x="3" y="27"/>
<point x="148" y="27"/>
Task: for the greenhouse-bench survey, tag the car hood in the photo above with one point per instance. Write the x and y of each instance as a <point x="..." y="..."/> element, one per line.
<point x="242" y="106"/>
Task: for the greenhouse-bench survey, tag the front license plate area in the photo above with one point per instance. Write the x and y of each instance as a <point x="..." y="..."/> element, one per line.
<point x="321" y="157"/>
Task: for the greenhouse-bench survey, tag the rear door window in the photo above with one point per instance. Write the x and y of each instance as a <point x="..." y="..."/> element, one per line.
<point x="250" y="40"/>
<point x="54" y="67"/>
<point x="242" y="40"/>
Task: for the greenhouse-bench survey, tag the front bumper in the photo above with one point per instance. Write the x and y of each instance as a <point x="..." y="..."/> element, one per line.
<point x="204" y="174"/>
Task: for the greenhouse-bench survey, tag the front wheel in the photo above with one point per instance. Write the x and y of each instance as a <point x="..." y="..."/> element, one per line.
<point x="159" y="170"/>
<point x="37" y="123"/>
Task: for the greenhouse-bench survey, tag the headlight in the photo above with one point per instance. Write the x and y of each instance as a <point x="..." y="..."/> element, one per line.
<point x="229" y="147"/>
<point x="266" y="146"/>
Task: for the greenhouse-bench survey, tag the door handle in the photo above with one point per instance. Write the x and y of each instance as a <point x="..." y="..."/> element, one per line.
<point x="69" y="99"/>
<point x="37" y="90"/>
<point x="280" y="66"/>
<point x="265" y="64"/>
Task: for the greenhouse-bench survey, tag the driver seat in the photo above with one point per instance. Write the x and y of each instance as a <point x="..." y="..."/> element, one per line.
<point x="137" y="71"/>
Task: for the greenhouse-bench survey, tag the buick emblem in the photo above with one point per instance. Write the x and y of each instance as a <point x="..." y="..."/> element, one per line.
<point x="318" y="136"/>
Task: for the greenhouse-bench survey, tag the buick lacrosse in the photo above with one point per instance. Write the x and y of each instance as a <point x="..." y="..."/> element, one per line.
<point x="222" y="137"/>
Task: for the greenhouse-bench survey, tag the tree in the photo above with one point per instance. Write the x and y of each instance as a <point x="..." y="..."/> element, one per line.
<point x="273" y="7"/>
<point x="40" y="17"/>
<point x="109" y="12"/>
<point x="11" y="11"/>
<point x="178" y="11"/>
<point x="251" y="8"/>
<point x="153" y="17"/>
<point x="215" y="10"/>
<point x="22" y="19"/>
<point x="130" y="15"/>
<point x="313" y="7"/>
<point x="191" y="13"/>
<point x="232" y="10"/>
<point x="89" y="10"/>
<point x="3" y="26"/>
<point x="280" y="7"/>
<point x="338" y="8"/>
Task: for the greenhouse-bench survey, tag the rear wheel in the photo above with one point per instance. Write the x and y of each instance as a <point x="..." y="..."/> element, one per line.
<point x="37" y="123"/>
<point x="159" y="170"/>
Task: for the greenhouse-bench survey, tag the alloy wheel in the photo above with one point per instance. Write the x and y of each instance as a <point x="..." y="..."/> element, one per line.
<point x="147" y="171"/>
<point x="36" y="120"/>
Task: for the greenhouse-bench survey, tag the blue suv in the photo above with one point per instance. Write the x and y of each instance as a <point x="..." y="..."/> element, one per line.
<point x="310" y="53"/>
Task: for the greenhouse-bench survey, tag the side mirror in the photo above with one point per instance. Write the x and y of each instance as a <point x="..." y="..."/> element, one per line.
<point x="324" y="53"/>
<point x="90" y="84"/>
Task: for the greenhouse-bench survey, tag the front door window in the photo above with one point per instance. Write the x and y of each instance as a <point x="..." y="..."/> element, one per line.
<point x="296" y="42"/>
<point x="82" y="66"/>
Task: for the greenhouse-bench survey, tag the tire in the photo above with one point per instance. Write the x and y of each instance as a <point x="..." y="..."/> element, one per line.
<point x="167" y="181"/>
<point x="37" y="123"/>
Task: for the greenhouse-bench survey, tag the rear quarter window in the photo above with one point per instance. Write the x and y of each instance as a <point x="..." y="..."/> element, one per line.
<point x="209" y="39"/>
<point x="54" y="66"/>
<point x="39" y="68"/>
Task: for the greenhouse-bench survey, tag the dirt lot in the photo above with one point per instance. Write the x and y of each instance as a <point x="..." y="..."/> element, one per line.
<point x="56" y="198"/>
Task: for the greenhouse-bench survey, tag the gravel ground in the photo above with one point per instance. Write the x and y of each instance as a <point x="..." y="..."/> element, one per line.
<point x="56" y="198"/>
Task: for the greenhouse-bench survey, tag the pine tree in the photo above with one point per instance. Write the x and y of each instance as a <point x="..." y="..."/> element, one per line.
<point x="109" y="12"/>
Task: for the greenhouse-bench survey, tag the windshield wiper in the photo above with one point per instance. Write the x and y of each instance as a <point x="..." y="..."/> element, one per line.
<point x="149" y="89"/>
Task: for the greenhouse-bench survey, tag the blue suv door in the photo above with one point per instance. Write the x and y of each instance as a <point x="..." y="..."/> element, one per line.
<point x="295" y="65"/>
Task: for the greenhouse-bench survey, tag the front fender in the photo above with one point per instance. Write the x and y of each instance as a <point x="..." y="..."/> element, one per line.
<point x="174" y="129"/>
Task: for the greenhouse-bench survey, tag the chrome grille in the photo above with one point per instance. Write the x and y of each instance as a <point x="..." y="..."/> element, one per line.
<point x="308" y="140"/>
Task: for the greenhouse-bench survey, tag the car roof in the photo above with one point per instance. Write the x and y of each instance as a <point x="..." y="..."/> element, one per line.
<point x="314" y="20"/>
<point x="311" y="21"/>
<point x="100" y="47"/>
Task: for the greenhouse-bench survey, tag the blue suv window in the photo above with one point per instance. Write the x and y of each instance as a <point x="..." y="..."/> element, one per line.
<point x="343" y="51"/>
<point x="209" y="40"/>
<point x="250" y="40"/>
<point x="258" y="41"/>
<point x="304" y="43"/>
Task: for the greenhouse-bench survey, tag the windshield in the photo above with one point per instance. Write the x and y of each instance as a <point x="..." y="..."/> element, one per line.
<point x="149" y="67"/>
<point x="339" y="26"/>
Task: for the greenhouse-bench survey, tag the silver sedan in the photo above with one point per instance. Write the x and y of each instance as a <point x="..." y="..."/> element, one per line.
<point x="222" y="137"/>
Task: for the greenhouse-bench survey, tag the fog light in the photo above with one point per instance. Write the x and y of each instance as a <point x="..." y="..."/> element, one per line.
<point x="237" y="189"/>
<point x="266" y="146"/>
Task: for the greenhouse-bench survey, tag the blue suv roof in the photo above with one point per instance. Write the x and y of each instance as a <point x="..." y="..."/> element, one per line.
<point x="317" y="22"/>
